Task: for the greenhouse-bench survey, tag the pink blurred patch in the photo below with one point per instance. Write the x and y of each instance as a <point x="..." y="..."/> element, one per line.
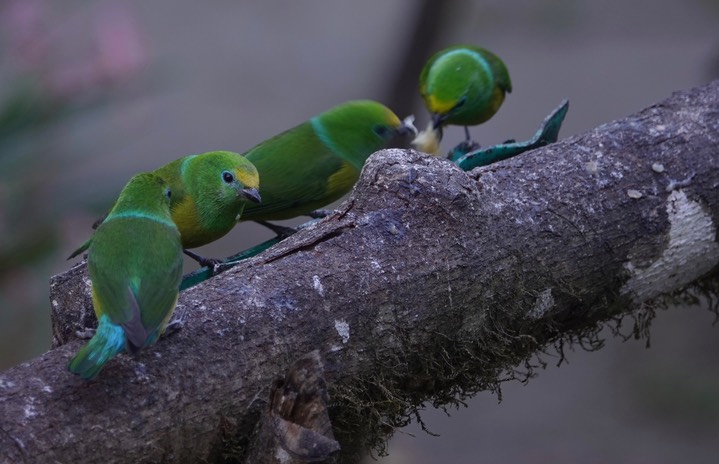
<point x="121" y="52"/>
<point x="117" y="51"/>
<point x="22" y="23"/>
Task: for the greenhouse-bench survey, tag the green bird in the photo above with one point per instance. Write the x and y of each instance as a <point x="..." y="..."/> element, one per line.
<point x="317" y="162"/>
<point x="209" y="192"/>
<point x="135" y="265"/>
<point x="461" y="85"/>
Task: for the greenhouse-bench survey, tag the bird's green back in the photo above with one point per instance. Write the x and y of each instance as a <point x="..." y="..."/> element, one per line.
<point x="318" y="161"/>
<point x="136" y="255"/>
<point x="464" y="83"/>
<point x="135" y="261"/>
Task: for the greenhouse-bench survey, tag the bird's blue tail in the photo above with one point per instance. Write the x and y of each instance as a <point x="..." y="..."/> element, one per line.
<point x="109" y="340"/>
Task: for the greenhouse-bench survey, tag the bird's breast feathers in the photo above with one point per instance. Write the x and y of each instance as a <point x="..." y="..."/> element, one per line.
<point x="187" y="219"/>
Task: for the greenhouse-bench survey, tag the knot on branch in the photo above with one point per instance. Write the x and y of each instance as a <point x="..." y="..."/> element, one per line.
<point x="297" y="427"/>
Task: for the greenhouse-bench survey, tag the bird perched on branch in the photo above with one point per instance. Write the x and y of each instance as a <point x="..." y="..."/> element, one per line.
<point x="462" y="85"/>
<point x="135" y="265"/>
<point x="317" y="162"/>
<point x="210" y="191"/>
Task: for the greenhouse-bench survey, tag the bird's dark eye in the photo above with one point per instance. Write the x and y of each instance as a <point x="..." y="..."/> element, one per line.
<point x="228" y="177"/>
<point x="168" y="193"/>
<point x="381" y="130"/>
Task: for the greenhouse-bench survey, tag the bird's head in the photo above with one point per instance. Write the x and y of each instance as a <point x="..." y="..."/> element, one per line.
<point x="358" y="128"/>
<point x="441" y="112"/>
<point x="445" y="84"/>
<point x="243" y="181"/>
<point x="224" y="179"/>
<point x="147" y="192"/>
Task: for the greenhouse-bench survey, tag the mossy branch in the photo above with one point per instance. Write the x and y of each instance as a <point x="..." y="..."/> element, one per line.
<point x="429" y="284"/>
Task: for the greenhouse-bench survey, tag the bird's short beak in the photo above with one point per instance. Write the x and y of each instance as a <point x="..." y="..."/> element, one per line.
<point x="438" y="123"/>
<point x="407" y="126"/>
<point x="438" y="120"/>
<point x="251" y="194"/>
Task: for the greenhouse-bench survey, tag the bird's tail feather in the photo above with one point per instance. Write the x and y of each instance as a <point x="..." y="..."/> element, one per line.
<point x="108" y="341"/>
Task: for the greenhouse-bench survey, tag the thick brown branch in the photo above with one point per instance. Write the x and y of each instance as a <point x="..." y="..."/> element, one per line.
<point x="429" y="285"/>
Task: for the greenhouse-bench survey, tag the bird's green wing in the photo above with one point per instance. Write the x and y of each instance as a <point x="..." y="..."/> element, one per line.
<point x="298" y="174"/>
<point x="157" y="293"/>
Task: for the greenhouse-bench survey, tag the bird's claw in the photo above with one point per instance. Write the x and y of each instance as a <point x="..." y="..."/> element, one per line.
<point x="174" y="326"/>
<point x="209" y="263"/>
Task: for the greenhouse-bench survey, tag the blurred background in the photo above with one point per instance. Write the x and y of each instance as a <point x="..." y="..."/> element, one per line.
<point x="94" y="91"/>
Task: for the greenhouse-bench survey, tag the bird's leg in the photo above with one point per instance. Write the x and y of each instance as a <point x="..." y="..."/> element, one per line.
<point x="204" y="262"/>
<point x="175" y="325"/>
<point x="469" y="144"/>
<point x="320" y="213"/>
<point x="282" y="231"/>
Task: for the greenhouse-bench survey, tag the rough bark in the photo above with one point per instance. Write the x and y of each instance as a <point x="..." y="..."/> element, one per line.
<point x="429" y="284"/>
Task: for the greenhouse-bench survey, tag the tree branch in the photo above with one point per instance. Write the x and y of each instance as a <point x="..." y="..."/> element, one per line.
<point x="429" y="284"/>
